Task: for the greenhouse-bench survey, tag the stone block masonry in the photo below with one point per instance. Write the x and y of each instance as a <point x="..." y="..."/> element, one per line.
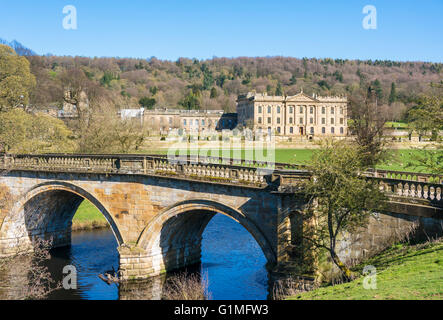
<point x="158" y="209"/>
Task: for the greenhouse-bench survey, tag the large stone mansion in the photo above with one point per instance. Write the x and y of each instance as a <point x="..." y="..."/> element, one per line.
<point x="298" y="115"/>
<point x="293" y="115"/>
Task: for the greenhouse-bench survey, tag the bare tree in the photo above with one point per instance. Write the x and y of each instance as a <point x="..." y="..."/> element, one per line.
<point x="367" y="125"/>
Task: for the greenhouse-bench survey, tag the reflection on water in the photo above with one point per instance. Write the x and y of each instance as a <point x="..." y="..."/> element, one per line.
<point x="92" y="253"/>
<point x="231" y="259"/>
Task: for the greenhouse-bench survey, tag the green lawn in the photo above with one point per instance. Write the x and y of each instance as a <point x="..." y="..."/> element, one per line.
<point x="396" y="124"/>
<point x="87" y="212"/>
<point x="403" y="272"/>
<point x="398" y="161"/>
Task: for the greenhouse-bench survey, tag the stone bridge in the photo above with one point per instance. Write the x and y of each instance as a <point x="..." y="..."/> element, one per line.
<point x="158" y="209"/>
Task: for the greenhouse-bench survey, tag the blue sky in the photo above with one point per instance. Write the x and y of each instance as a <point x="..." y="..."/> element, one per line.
<point x="406" y="30"/>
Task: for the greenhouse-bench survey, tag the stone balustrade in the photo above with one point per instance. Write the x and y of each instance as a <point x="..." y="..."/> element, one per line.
<point x="412" y="189"/>
<point x="217" y="170"/>
<point x="184" y="167"/>
<point x="405" y="175"/>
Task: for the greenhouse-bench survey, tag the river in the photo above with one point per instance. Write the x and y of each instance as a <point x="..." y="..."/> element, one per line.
<point x="232" y="261"/>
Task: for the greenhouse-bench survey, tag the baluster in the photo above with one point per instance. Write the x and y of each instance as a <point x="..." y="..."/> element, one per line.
<point x="240" y="174"/>
<point x="227" y="173"/>
<point x="432" y="193"/>
<point x="413" y="192"/>
<point x="426" y="194"/>
<point x="406" y="191"/>
<point x="399" y="188"/>
<point x="420" y="191"/>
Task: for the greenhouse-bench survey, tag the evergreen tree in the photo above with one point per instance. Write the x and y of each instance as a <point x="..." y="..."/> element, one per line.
<point x="376" y="86"/>
<point x="208" y="80"/>
<point x="106" y="79"/>
<point x="393" y="94"/>
<point x="153" y="90"/>
<point x="279" y="90"/>
<point x="191" y="101"/>
<point x="147" y="103"/>
<point x="213" y="93"/>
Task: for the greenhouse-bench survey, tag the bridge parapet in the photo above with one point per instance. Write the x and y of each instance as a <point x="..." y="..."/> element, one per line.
<point x="219" y="170"/>
<point x="406" y="175"/>
<point x="408" y="189"/>
<point x="285" y="177"/>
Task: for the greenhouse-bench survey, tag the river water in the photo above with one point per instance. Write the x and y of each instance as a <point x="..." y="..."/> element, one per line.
<point x="232" y="262"/>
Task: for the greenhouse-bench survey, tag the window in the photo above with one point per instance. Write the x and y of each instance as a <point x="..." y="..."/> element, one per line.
<point x="323" y="130"/>
<point x="269" y="109"/>
<point x="291" y="130"/>
<point x="323" y="120"/>
<point x="341" y="110"/>
<point x="259" y="120"/>
<point x="259" y="109"/>
<point x="332" y="130"/>
<point x="312" y="130"/>
<point x="170" y="121"/>
<point x="278" y="120"/>
<point x="184" y="122"/>
<point x="278" y="109"/>
<point x="203" y="122"/>
<point x="323" y="110"/>
<point x="269" y="120"/>
<point x="341" y="130"/>
<point x="311" y="120"/>
<point x="290" y="120"/>
<point x="291" y="109"/>
<point x="301" y="109"/>
<point x="332" y="120"/>
<point x="301" y="120"/>
<point x="278" y="129"/>
<point x="341" y="120"/>
<point x="311" y="110"/>
<point x="332" y="110"/>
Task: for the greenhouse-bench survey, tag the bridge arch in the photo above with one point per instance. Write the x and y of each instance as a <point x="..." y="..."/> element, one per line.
<point x="47" y="210"/>
<point x="183" y="223"/>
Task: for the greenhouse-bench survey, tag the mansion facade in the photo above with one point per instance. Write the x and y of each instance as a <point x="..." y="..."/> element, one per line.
<point x="293" y="115"/>
<point x="197" y="121"/>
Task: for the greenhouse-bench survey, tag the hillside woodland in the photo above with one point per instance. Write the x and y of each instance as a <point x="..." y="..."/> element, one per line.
<point x="215" y="83"/>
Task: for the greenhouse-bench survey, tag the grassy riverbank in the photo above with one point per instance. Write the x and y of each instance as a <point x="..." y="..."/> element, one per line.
<point x="88" y="217"/>
<point x="403" y="272"/>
